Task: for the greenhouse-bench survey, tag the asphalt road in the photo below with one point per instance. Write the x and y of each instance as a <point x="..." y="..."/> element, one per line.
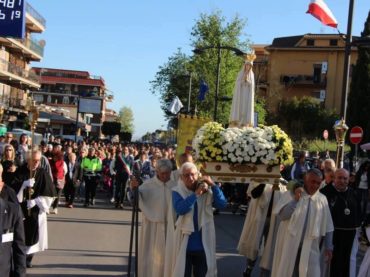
<point x="95" y="242"/>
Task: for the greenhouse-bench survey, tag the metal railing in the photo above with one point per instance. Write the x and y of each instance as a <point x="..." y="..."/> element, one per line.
<point x="302" y="80"/>
<point x="19" y="71"/>
<point x="33" y="45"/>
<point x="35" y="14"/>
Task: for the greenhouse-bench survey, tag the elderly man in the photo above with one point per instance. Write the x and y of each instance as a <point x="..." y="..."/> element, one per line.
<point x="12" y="247"/>
<point x="36" y="193"/>
<point x="309" y="220"/>
<point x="346" y="213"/>
<point x="157" y="217"/>
<point x="194" y="244"/>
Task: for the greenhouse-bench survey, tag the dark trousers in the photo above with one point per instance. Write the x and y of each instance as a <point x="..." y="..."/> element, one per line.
<point x="343" y="241"/>
<point x="56" y="201"/>
<point x="120" y="188"/>
<point x="69" y="192"/>
<point x="90" y="188"/>
<point x="196" y="264"/>
<point x="364" y="193"/>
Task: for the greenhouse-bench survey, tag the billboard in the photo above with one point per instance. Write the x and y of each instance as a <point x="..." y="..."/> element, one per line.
<point x="12" y="18"/>
<point x="89" y="105"/>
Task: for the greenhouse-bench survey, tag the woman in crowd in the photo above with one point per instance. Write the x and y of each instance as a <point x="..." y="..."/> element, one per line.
<point x="10" y="163"/>
<point x="23" y="148"/>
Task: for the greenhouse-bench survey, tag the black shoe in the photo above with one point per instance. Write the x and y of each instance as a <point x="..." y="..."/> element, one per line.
<point x="92" y="202"/>
<point x="248" y="272"/>
<point x="29" y="264"/>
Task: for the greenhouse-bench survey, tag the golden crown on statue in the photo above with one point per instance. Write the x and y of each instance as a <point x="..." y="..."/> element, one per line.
<point x="249" y="57"/>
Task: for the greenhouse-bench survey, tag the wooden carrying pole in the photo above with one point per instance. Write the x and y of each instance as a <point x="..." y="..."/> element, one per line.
<point x="33" y="116"/>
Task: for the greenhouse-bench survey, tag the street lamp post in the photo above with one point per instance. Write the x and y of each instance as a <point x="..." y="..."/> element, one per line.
<point x="219" y="47"/>
<point x="362" y="42"/>
<point x="347" y="60"/>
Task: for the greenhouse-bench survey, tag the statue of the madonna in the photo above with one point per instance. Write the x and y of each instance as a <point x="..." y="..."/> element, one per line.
<point x="242" y="109"/>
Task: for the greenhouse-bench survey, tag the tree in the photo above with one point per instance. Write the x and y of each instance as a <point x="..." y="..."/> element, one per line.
<point x="172" y="79"/>
<point x="126" y="118"/>
<point x="359" y="96"/>
<point x="110" y="128"/>
<point x="304" y="117"/>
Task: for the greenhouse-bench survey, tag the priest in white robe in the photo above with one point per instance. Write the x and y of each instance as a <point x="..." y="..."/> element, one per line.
<point x="308" y="221"/>
<point x="259" y="222"/>
<point x="242" y="108"/>
<point x="157" y="219"/>
<point x="193" y="252"/>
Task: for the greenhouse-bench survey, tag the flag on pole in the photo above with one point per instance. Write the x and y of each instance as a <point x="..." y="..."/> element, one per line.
<point x="203" y="89"/>
<point x="175" y="106"/>
<point x="321" y="11"/>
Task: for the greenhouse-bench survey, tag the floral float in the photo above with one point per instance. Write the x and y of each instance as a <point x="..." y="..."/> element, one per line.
<point x="242" y="154"/>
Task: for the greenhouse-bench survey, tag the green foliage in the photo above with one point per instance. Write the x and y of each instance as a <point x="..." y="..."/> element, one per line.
<point x="305" y="118"/>
<point x="260" y="108"/>
<point x="359" y="96"/>
<point x="172" y="79"/>
<point x="110" y="128"/>
<point x="126" y="118"/>
<point x="317" y="145"/>
<point x="147" y="137"/>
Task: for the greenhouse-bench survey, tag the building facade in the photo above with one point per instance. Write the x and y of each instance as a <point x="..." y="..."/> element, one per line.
<point x="16" y="78"/>
<point x="62" y="90"/>
<point x="307" y="65"/>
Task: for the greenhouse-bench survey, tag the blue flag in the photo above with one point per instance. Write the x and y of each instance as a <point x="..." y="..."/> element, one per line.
<point x="203" y="89"/>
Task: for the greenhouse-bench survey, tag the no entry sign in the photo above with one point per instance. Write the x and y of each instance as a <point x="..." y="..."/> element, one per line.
<point x="355" y="136"/>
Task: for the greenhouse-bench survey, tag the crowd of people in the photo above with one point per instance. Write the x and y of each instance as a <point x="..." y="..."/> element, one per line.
<point x="309" y="226"/>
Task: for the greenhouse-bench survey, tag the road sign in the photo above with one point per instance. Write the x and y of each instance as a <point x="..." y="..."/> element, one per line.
<point x="355" y="136"/>
<point x="325" y="134"/>
<point x="12" y="18"/>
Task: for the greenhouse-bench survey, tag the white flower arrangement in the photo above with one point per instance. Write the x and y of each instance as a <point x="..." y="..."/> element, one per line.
<point x="261" y="145"/>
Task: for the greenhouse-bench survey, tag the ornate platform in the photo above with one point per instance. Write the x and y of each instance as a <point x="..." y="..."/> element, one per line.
<point x="241" y="173"/>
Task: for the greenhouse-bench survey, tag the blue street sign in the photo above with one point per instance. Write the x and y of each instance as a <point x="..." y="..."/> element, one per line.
<point x="12" y="18"/>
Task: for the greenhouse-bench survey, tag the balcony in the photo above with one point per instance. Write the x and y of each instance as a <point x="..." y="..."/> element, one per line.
<point x="35" y="22"/>
<point x="303" y="80"/>
<point x="13" y="74"/>
<point x="30" y="48"/>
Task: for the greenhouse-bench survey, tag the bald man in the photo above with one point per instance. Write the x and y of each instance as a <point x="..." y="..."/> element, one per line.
<point x="345" y="211"/>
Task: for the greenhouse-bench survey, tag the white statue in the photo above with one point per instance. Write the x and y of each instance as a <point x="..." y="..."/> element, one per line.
<point x="242" y="109"/>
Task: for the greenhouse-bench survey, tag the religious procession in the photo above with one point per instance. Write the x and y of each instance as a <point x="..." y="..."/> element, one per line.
<point x="310" y="223"/>
<point x="239" y="183"/>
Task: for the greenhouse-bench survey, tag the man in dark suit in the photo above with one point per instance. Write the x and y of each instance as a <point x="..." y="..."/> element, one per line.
<point x="12" y="241"/>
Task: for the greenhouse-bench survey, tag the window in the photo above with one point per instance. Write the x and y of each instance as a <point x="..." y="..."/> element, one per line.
<point x="65" y="100"/>
<point x="38" y="98"/>
<point x="333" y="42"/>
<point x="310" y="42"/>
<point x="317" y="73"/>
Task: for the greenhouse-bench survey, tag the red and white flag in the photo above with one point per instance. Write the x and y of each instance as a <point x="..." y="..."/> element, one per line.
<point x="320" y="10"/>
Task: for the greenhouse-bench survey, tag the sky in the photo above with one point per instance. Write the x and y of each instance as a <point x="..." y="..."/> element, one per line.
<point x="126" y="42"/>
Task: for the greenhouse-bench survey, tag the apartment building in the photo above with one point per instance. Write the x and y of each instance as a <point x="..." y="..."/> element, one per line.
<point x="62" y="90"/>
<point x="307" y="65"/>
<point x="16" y="78"/>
